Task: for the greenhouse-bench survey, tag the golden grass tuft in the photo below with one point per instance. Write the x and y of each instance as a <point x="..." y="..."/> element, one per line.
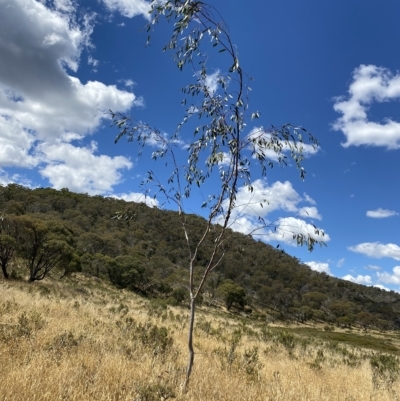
<point x="80" y="339"/>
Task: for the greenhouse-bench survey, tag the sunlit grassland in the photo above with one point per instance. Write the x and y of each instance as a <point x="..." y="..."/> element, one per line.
<point x="80" y="339"/>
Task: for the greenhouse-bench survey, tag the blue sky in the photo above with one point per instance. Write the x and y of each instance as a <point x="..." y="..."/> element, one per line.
<point x="332" y="67"/>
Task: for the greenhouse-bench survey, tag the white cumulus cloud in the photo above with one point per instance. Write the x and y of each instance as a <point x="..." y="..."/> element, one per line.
<point x="382" y="287"/>
<point x="287" y="227"/>
<point x="310" y="212"/>
<point x="359" y="279"/>
<point x="211" y="81"/>
<point x="377" y="250"/>
<point x="308" y="199"/>
<point x="388" y="278"/>
<point x="321" y="267"/>
<point x="138" y="198"/>
<point x="80" y="169"/>
<point x="129" y="8"/>
<point x="373" y="267"/>
<point x="370" y="84"/>
<point x="381" y="213"/>
<point x="266" y="199"/>
<point x="43" y="106"/>
<point x="340" y="262"/>
<point x="261" y="142"/>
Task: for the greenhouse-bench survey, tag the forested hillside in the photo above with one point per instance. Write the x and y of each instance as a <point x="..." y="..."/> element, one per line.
<point x="45" y="231"/>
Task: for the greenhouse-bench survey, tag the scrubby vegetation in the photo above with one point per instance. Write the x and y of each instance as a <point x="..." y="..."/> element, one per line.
<point x="44" y="229"/>
<point x="83" y="339"/>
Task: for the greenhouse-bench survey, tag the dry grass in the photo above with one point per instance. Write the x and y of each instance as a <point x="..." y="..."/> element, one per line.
<point x="82" y="340"/>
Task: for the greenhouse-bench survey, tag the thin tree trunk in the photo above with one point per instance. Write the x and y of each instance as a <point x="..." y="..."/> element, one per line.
<point x="190" y="343"/>
<point x="5" y="273"/>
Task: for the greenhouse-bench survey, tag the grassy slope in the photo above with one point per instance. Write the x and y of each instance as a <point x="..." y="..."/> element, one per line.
<point x="80" y="339"/>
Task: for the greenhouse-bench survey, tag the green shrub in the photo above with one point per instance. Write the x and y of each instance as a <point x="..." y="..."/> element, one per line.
<point x="251" y="364"/>
<point x="128" y="272"/>
<point x="288" y="340"/>
<point x="153" y="337"/>
<point x="180" y="295"/>
<point x="317" y="363"/>
<point x="154" y="392"/>
<point x="385" y="370"/>
<point x="65" y="340"/>
<point x="232" y="294"/>
<point x="157" y="307"/>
